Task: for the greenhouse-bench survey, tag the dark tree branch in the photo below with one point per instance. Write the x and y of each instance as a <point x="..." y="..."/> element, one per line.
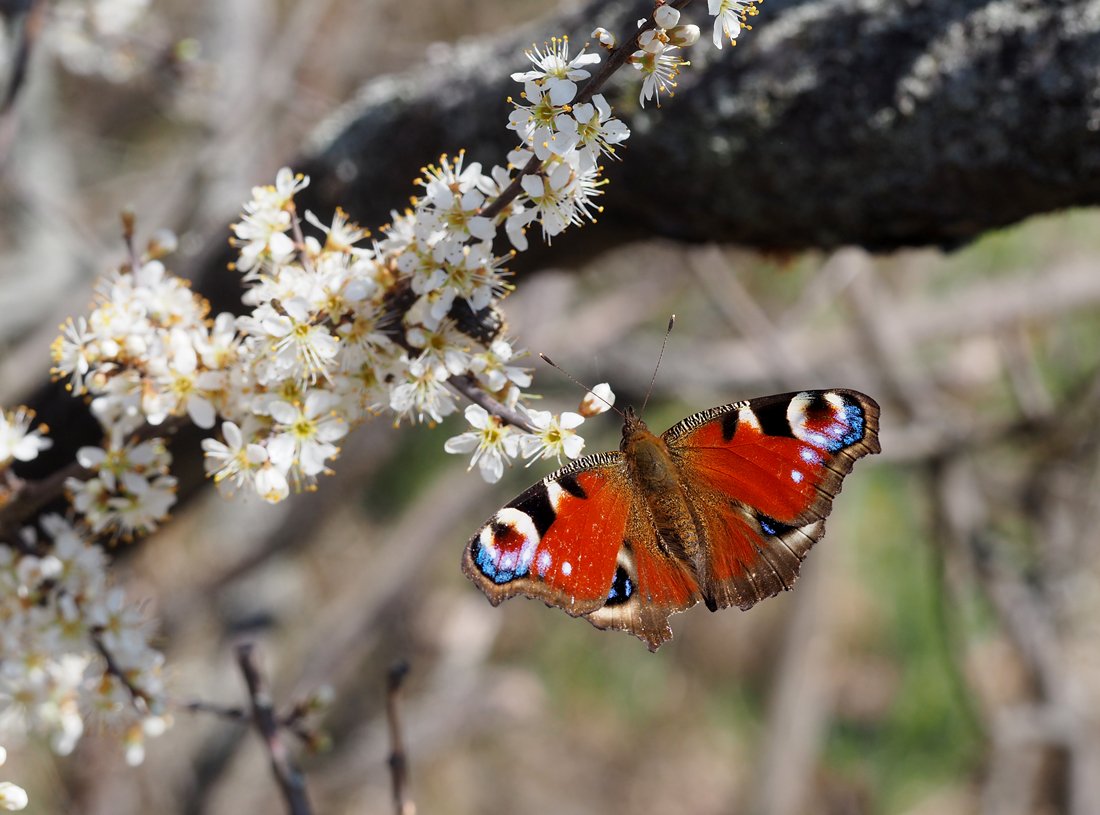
<point x="884" y="124"/>
<point x="232" y="714"/>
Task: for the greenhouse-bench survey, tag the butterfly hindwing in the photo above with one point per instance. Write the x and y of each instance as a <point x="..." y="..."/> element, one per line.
<point x="761" y="476"/>
<point x="557" y="541"/>
<point x="650" y="584"/>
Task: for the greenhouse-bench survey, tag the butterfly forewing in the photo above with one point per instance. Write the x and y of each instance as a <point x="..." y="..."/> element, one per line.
<point x="761" y="478"/>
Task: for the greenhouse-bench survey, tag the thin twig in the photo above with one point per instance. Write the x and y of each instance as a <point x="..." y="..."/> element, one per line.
<point x="141" y="698"/>
<point x="468" y="388"/>
<point x="399" y="764"/>
<point x="289" y="777"/>
<point x="228" y="712"/>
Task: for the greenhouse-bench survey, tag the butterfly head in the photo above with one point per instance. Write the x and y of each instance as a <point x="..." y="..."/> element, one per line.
<point x="633" y="428"/>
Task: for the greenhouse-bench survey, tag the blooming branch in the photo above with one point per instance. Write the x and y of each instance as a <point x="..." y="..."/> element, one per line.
<point x="337" y="326"/>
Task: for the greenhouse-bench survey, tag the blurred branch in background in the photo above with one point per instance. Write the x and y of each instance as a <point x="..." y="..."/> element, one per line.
<point x="399" y="760"/>
<point x="291" y="782"/>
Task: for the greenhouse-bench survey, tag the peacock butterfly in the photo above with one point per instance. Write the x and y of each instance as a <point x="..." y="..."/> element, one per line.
<point x="721" y="507"/>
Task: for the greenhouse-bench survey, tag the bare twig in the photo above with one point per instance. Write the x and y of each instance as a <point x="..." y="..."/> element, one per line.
<point x="140" y="697"/>
<point x="468" y="388"/>
<point x="399" y="763"/>
<point x="289" y="777"/>
<point x="233" y="714"/>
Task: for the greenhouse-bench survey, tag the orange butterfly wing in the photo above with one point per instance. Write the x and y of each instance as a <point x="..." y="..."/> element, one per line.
<point x="761" y="477"/>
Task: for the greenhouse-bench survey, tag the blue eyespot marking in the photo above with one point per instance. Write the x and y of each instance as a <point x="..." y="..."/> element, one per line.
<point x="505" y="548"/>
<point x="772" y="527"/>
<point x="853" y="421"/>
<point x="622" y="588"/>
<point x="825" y="424"/>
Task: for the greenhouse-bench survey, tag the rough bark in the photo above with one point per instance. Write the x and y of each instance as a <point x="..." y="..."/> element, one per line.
<point x="882" y="123"/>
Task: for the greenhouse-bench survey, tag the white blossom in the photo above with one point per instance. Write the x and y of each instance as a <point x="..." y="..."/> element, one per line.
<point x="304" y="433"/>
<point x="554" y="69"/>
<point x="553" y="437"/>
<point x="729" y="18"/>
<point x="492" y="443"/>
<point x="17" y="440"/>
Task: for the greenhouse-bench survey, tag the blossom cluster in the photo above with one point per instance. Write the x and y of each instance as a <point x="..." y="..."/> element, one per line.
<point x="145" y="354"/>
<point x="337" y="326"/>
<point x="495" y="443"/>
<point x="71" y="647"/>
<point x="340" y="329"/>
<point x="658" y="56"/>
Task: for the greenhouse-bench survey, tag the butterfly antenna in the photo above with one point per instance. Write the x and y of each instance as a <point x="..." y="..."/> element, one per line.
<point x="660" y="356"/>
<point x="576" y="381"/>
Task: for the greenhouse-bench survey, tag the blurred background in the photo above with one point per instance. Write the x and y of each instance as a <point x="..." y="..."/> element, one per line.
<point x="939" y="654"/>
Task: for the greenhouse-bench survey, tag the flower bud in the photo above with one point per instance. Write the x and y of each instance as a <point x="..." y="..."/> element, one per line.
<point x="598" y="400"/>
<point x="683" y="36"/>
<point x="604" y="37"/>
<point x="666" y="16"/>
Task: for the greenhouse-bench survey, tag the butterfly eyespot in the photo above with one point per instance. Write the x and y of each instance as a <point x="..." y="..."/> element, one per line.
<point x="622" y="589"/>
<point x="830" y="421"/>
<point x="770" y="526"/>
<point x="506" y="546"/>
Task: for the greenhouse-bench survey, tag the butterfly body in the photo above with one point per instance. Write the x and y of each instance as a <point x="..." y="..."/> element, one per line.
<point x="654" y="473"/>
<point x="722" y="507"/>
